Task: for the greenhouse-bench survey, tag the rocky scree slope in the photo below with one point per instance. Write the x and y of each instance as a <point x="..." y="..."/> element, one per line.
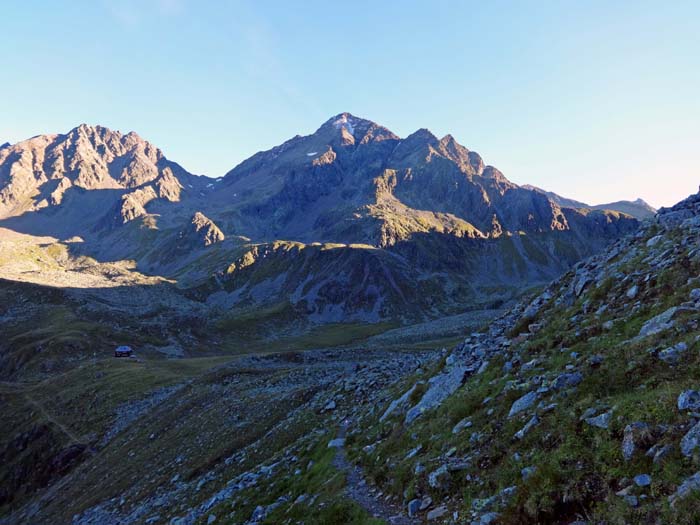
<point x="578" y="406"/>
<point x="167" y="447"/>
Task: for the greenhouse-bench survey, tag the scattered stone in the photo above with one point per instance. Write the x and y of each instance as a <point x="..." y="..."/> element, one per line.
<point x="413" y="508"/>
<point x="426" y="502"/>
<point x="330" y="406"/>
<point x="595" y="360"/>
<point x="589" y="412"/>
<point x="654" y="241"/>
<point x="258" y="514"/>
<point x="567" y="380"/>
<point x="601" y="421"/>
<point x="465" y="423"/>
<point x="689" y="400"/>
<point x="520" y="434"/>
<point x="690" y="485"/>
<point x="633" y="291"/>
<point x="439" y="478"/>
<point x="659" y="323"/>
<point x="673" y="354"/>
<point x="437" y="512"/>
<point x="642" y="480"/>
<point x="691" y="440"/>
<point x="634" y="434"/>
<point x="631" y="500"/>
<point x="523" y="403"/>
<point x="532" y="363"/>
<point x="414" y="451"/>
<point x="527" y="472"/>
<point x="336" y="443"/>
<point x="488" y="518"/>
<point x="661" y="453"/>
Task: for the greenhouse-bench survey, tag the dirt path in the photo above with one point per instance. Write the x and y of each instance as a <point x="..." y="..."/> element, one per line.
<point x="67" y="431"/>
<point x="358" y="490"/>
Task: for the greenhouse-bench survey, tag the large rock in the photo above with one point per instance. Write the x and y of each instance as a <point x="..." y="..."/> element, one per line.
<point x="440" y="387"/>
<point x="601" y="421"/>
<point x="673" y="354"/>
<point x="439" y="478"/>
<point x="520" y="434"/>
<point x="523" y="403"/>
<point x="658" y="324"/>
<point x="567" y="380"/>
<point x="691" y="440"/>
<point x="688" y="487"/>
<point x="413" y="508"/>
<point x="635" y="435"/>
<point x="689" y="400"/>
<point x="437" y="512"/>
<point x="400" y="402"/>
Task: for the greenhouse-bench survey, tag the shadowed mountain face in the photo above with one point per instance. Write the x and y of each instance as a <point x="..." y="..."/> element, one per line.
<point x="351" y="222"/>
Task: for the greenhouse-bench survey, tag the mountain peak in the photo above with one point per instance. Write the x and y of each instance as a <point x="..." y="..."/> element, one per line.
<point x="423" y="135"/>
<point x="351" y="129"/>
<point x="92" y="129"/>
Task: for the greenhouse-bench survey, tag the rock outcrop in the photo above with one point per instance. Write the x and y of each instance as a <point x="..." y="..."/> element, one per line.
<point x="202" y="231"/>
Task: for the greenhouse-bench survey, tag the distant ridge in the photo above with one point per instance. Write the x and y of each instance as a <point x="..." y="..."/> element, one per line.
<point x="639" y="208"/>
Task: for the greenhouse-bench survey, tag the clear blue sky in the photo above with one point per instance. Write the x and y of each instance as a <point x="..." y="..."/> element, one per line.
<point x="596" y="100"/>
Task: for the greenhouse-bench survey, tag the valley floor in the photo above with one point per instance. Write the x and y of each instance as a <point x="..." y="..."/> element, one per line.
<point x="90" y="438"/>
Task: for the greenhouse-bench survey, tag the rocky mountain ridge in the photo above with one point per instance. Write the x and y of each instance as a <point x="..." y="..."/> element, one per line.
<point x="403" y="220"/>
<point x="379" y="187"/>
<point x="37" y="173"/>
<point x="638" y="208"/>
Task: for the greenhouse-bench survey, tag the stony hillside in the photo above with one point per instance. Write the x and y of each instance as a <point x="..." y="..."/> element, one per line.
<point x="579" y="406"/>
